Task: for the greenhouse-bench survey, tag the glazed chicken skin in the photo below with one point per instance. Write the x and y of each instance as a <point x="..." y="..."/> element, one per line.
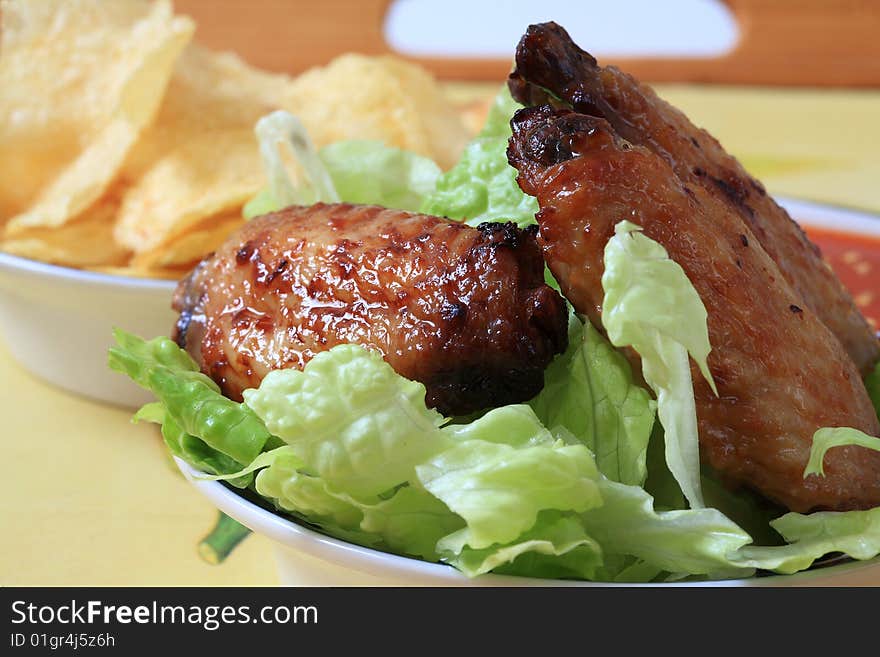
<point x="547" y="60"/>
<point x="780" y="372"/>
<point x="463" y="310"/>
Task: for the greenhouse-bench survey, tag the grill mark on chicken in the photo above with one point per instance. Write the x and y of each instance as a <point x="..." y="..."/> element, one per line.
<point x="463" y="310"/>
<point x="551" y="68"/>
<point x="781" y="374"/>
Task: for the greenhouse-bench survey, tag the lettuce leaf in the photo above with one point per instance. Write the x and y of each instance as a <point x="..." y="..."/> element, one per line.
<point x="191" y="399"/>
<point x="482" y="185"/>
<point x="372" y="173"/>
<point x="354" y="171"/>
<point x="500" y="489"/>
<point x="556" y="547"/>
<point x="690" y="541"/>
<point x="356" y="430"/>
<point x="410" y="522"/>
<point x="515" y="425"/>
<point x="829" y="437"/>
<point x="191" y="449"/>
<point x="362" y="458"/>
<point x="854" y="533"/>
<point x="589" y="391"/>
<point x="707" y="542"/>
<point x="351" y="419"/>
<point x="651" y="306"/>
<point x="283" y="480"/>
<point x="872" y="385"/>
<point x="295" y="172"/>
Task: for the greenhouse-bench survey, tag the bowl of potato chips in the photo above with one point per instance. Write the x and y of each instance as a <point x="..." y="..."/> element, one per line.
<point x="128" y="153"/>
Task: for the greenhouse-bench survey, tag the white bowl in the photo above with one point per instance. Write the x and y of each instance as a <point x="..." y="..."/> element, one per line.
<point x="308" y="558"/>
<point x="58" y="322"/>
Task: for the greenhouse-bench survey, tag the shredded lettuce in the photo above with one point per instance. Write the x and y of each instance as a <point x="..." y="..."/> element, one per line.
<point x="354" y="171"/>
<point x="690" y="541"/>
<point x="482" y="185"/>
<point x="828" y="437"/>
<point x="651" y="306"/>
<point x="556" y="547"/>
<point x="499" y="489"/>
<point x="295" y="172"/>
<point x="372" y="173"/>
<point x="191" y="400"/>
<point x="872" y="385"/>
<point x="590" y="392"/>
<point x="351" y="419"/>
<point x="364" y="454"/>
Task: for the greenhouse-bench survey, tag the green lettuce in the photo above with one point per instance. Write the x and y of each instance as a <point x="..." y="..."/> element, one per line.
<point x="295" y="172"/>
<point x="349" y="446"/>
<point x="193" y="403"/>
<point x="410" y="522"/>
<point x="692" y="542"/>
<point x="350" y="419"/>
<point x="689" y="541"/>
<point x="354" y="171"/>
<point x="372" y="173"/>
<point x="872" y="385"/>
<point x="482" y="185"/>
<point x="499" y="489"/>
<point x="854" y="533"/>
<point x="364" y="454"/>
<point x="556" y="547"/>
<point x="826" y="438"/>
<point x="590" y="392"/>
<point x="515" y="425"/>
<point x="651" y="306"/>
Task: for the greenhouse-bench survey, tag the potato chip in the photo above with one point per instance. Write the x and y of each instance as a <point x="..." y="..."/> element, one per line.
<point x="187" y="249"/>
<point x="200" y="156"/>
<point x="101" y="93"/>
<point x="385" y="98"/>
<point x="85" y="241"/>
<point x="80" y="79"/>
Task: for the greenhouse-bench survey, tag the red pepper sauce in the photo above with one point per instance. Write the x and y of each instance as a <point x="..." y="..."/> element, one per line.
<point x="856" y="261"/>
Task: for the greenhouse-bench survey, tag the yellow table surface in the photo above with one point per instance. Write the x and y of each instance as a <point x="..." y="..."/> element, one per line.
<point x="88" y="498"/>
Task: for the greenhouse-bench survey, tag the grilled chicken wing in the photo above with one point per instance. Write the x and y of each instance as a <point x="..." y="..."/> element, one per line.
<point x="547" y="60"/>
<point x="780" y="372"/>
<point x="463" y="310"/>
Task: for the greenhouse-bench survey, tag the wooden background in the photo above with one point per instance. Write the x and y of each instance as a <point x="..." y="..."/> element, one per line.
<point x="782" y="42"/>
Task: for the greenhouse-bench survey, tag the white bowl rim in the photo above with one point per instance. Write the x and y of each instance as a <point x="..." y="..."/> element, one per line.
<point x="10" y="262"/>
<point x="292" y="534"/>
